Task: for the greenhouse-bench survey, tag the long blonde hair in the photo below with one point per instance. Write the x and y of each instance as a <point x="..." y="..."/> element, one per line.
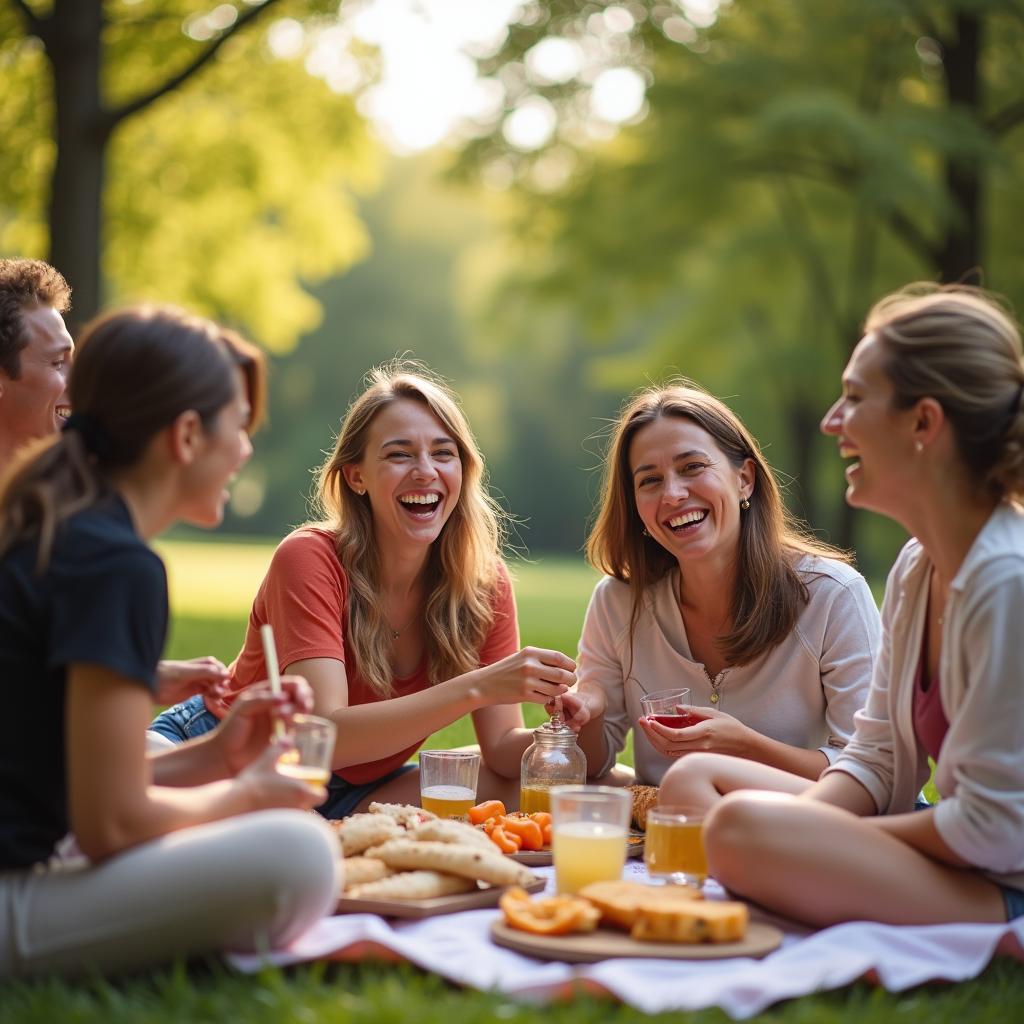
<point x="462" y="570"/>
<point x="769" y="592"/>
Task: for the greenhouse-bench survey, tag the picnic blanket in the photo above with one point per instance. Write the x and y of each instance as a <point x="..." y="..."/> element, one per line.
<point x="458" y="947"/>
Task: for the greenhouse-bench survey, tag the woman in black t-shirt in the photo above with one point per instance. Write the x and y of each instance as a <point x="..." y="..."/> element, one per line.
<point x="174" y="863"/>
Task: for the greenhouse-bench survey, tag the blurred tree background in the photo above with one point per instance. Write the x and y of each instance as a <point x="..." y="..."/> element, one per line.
<point x="694" y="186"/>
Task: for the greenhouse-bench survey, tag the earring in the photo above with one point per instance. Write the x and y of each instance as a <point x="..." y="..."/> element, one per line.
<point x="644" y="532"/>
<point x="745" y="504"/>
<point x="919" y="447"/>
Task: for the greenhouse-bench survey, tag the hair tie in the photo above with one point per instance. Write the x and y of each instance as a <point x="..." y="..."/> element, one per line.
<point x="94" y="435"/>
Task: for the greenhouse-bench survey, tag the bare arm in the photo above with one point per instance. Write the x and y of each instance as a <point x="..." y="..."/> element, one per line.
<point x="112" y="800"/>
<point x="368" y="732"/>
<point x="842" y="790"/>
<point x="503" y="738"/>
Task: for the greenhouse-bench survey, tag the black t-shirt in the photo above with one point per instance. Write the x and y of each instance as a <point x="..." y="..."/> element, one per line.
<point x="102" y="600"/>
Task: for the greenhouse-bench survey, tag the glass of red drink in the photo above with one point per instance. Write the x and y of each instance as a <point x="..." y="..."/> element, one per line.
<point x="671" y="708"/>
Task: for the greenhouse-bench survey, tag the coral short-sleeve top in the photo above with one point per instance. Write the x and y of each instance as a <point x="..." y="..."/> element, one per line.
<point x="305" y="596"/>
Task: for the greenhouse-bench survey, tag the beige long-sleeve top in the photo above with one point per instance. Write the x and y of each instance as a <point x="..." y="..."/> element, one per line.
<point x="803" y="692"/>
<point x="980" y="770"/>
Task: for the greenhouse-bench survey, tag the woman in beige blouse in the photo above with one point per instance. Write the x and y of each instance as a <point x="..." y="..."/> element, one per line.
<point x="710" y="585"/>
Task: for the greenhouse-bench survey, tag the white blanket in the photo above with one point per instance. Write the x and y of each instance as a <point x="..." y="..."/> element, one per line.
<point x="458" y="947"/>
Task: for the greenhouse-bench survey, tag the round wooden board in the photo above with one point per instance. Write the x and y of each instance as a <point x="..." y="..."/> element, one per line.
<point x="605" y="944"/>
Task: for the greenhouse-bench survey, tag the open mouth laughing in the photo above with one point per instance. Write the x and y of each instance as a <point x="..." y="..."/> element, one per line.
<point x="688" y="521"/>
<point x="422" y="505"/>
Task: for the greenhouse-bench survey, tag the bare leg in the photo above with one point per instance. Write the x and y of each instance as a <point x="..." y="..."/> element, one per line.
<point x="823" y="865"/>
<point x="703" y="779"/>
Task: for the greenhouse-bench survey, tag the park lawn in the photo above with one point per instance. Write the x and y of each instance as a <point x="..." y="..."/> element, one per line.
<point x="212" y="586"/>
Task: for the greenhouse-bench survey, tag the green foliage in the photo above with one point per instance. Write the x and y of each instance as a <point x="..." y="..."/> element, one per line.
<point x="230" y="194"/>
<point x="793" y="164"/>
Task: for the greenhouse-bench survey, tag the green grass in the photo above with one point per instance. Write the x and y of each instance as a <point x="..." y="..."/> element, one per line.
<point x="212" y="588"/>
<point x="377" y="994"/>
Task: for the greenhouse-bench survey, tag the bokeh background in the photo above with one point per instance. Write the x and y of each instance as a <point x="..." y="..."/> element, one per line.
<point x="551" y="203"/>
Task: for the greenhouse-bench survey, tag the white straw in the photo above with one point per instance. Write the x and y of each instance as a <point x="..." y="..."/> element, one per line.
<point x="273" y="671"/>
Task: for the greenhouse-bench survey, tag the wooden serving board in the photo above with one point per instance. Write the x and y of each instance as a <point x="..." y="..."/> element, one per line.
<point x="605" y="944"/>
<point x="544" y="858"/>
<point x="416" y="909"/>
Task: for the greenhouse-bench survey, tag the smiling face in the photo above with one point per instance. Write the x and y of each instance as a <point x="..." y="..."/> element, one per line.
<point x="410" y="472"/>
<point x="687" y="492"/>
<point x="219" y="454"/>
<point x="35" y="404"/>
<point x="869" y="430"/>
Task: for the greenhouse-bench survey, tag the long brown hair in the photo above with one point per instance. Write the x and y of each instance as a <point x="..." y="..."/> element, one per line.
<point x="955" y="344"/>
<point x="134" y="372"/>
<point x="769" y="592"/>
<point x="463" y="566"/>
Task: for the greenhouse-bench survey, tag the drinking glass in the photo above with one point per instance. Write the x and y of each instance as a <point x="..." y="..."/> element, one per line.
<point x="448" y="782"/>
<point x="310" y="757"/>
<point x="670" y="707"/>
<point x="674" y="846"/>
<point x="588" y="837"/>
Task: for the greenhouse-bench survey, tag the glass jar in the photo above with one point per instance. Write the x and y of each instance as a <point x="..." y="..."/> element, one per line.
<point x="554" y="759"/>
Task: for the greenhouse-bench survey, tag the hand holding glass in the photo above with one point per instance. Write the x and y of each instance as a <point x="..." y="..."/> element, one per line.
<point x="674" y="846"/>
<point x="448" y="782"/>
<point x="310" y="757"/>
<point x="588" y="837"/>
<point x="670" y="707"/>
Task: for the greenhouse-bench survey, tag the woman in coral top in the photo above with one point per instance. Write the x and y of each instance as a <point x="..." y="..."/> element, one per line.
<point x="396" y="606"/>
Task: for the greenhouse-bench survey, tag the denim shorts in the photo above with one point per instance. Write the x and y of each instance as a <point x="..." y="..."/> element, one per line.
<point x="1014" y="900"/>
<point x="185" y="721"/>
<point x="344" y="797"/>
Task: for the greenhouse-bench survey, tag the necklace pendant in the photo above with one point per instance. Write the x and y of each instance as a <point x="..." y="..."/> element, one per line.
<point x="394" y="634"/>
<point x="714" y="698"/>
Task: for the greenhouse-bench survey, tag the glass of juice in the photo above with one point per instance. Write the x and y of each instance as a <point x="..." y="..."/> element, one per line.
<point x="670" y="707"/>
<point x="310" y="758"/>
<point x="588" y="837"/>
<point x="674" y="846"/>
<point x="448" y="782"/>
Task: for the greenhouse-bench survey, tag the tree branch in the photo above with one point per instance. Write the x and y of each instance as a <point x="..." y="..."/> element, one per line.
<point x="33" y="23"/>
<point x="1006" y="119"/>
<point x="829" y="173"/>
<point x="114" y="117"/>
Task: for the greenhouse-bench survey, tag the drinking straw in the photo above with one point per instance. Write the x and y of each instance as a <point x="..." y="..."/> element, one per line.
<point x="273" y="672"/>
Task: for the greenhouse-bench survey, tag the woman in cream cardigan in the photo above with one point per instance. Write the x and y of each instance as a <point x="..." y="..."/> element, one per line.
<point x="931" y="413"/>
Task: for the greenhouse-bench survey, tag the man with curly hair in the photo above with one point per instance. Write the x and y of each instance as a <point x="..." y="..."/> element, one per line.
<point x="35" y="352"/>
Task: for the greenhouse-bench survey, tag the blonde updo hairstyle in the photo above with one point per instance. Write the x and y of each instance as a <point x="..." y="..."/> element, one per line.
<point x="955" y="344"/>
<point x="463" y="567"/>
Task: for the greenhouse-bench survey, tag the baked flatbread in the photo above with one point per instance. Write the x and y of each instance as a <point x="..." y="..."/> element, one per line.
<point x="412" y="885"/>
<point x="468" y="862"/>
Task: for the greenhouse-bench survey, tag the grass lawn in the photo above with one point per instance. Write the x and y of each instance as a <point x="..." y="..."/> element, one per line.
<point x="212" y="586"/>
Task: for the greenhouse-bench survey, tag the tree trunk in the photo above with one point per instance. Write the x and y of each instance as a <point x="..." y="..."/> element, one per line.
<point x="961" y="256"/>
<point x="803" y="432"/>
<point x="76" y="198"/>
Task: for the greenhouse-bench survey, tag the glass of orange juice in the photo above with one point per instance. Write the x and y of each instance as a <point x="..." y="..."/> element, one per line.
<point x="588" y="834"/>
<point x="674" y="845"/>
<point x="448" y="782"/>
<point x="310" y="757"/>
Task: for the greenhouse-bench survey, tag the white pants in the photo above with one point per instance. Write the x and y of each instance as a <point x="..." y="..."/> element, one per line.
<point x="247" y="883"/>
